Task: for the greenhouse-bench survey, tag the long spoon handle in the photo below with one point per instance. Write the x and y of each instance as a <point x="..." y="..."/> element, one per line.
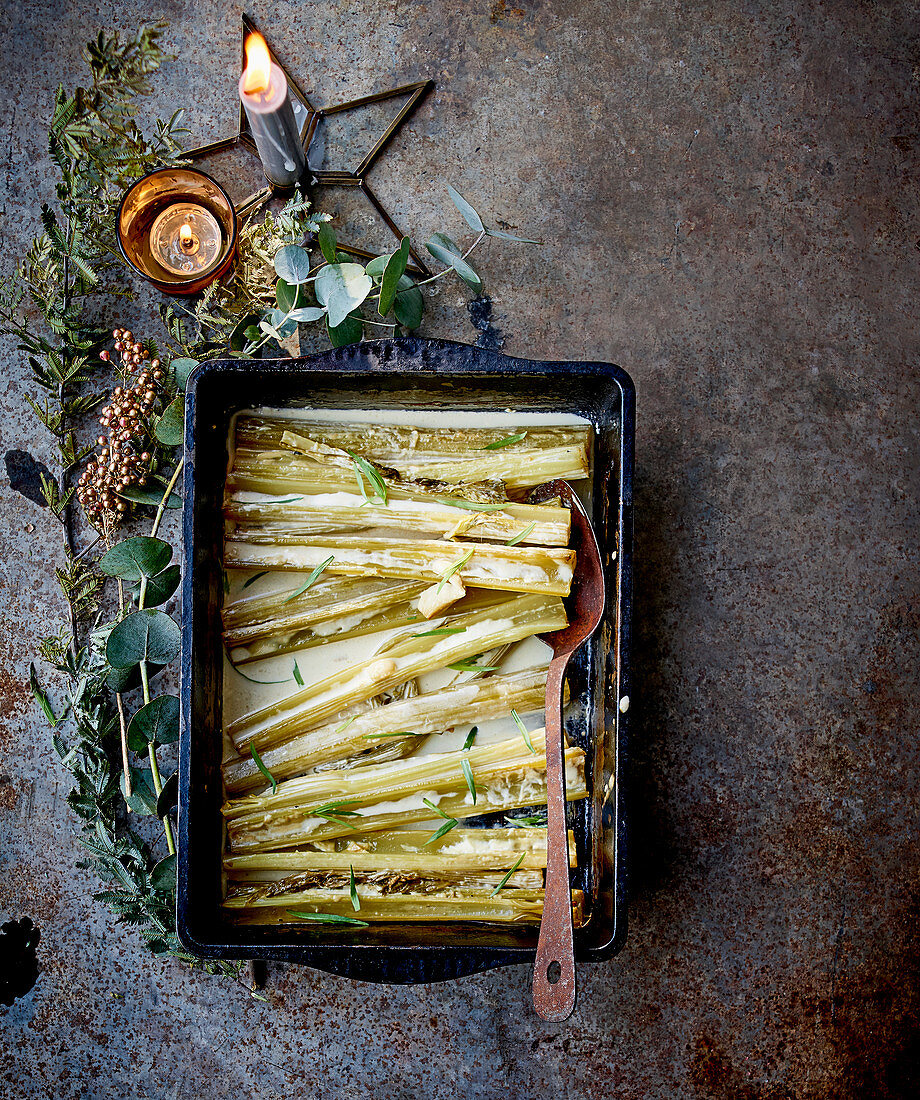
<point x="554" y="970"/>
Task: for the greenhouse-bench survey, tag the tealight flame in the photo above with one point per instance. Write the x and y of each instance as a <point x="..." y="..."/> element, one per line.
<point x="257" y="74"/>
<point x="188" y="242"/>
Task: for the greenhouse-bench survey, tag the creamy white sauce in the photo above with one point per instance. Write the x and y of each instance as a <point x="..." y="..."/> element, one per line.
<point x="412" y="801"/>
<point x="422" y="418"/>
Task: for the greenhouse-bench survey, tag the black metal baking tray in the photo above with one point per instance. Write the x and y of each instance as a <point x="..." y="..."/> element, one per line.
<point x="429" y="374"/>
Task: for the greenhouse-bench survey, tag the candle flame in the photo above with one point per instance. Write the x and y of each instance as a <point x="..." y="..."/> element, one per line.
<point x="185" y="233"/>
<point x="257" y="74"/>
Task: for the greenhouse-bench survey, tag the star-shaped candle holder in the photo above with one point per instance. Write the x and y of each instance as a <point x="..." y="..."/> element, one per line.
<point x="308" y="118"/>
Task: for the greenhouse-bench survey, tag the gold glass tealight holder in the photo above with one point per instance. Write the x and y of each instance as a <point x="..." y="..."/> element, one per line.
<point x="178" y="228"/>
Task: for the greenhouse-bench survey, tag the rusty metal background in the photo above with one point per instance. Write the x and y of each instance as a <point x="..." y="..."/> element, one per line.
<point x="727" y="193"/>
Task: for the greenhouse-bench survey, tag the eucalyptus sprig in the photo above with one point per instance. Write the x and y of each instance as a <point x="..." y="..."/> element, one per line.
<point x="337" y="291"/>
<point x="98" y="148"/>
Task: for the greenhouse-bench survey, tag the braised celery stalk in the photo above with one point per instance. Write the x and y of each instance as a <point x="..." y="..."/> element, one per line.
<point x="387" y="443"/>
<point x="506" y="568"/>
<point x="520" y="459"/>
<point x="327" y="598"/>
<point x="397" y="880"/>
<point x="417" y="652"/>
<point x="520" y="786"/>
<point x="315" y="513"/>
<point x="286" y="471"/>
<point x="459" y="851"/>
<point x="505" y="907"/>
<point x="276" y="623"/>
<point x="475" y="701"/>
<point x="439" y="772"/>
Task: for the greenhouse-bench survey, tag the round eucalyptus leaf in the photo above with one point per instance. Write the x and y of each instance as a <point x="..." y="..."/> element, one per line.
<point x="134" y="558"/>
<point x="377" y="265"/>
<point x="163" y="875"/>
<point x="143" y="636"/>
<point x="143" y="799"/>
<point x="181" y="369"/>
<point x="169" y="795"/>
<point x="162" y="585"/>
<point x="157" y="722"/>
<point x="150" y="496"/>
<point x="127" y="679"/>
<point x="170" y="428"/>
<point x="349" y="331"/>
<point x="306" y="314"/>
<point x="292" y="263"/>
<point x="409" y="304"/>
<point x="238" y="337"/>
<point x="289" y="296"/>
<point x="281" y="323"/>
<point x="342" y="288"/>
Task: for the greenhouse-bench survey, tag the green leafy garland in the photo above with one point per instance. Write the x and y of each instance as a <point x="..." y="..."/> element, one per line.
<point x="110" y="650"/>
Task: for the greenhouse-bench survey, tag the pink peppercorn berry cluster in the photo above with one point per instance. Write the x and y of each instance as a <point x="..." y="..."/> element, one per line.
<point x="124" y="459"/>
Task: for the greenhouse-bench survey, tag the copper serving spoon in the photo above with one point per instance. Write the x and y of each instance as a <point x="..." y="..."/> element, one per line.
<point x="554" y="970"/>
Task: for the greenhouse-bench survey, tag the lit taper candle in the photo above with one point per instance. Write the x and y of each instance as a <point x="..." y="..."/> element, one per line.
<point x="264" y="93"/>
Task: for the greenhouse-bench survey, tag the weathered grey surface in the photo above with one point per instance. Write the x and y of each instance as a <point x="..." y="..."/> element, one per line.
<point x="728" y="195"/>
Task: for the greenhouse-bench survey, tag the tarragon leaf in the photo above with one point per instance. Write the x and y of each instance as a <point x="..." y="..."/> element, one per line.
<point x="437" y="810"/>
<point x="353" y="890"/>
<point x="451" y="823"/>
<point x="308" y="583"/>
<point x="506" y="442"/>
<point x="521" y="535"/>
<point x="525" y="733"/>
<point x="262" y="768"/>
<point x="467" y="770"/>
<point x="326" y="918"/>
<point x="368" y="471"/>
<point x="504" y="881"/>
